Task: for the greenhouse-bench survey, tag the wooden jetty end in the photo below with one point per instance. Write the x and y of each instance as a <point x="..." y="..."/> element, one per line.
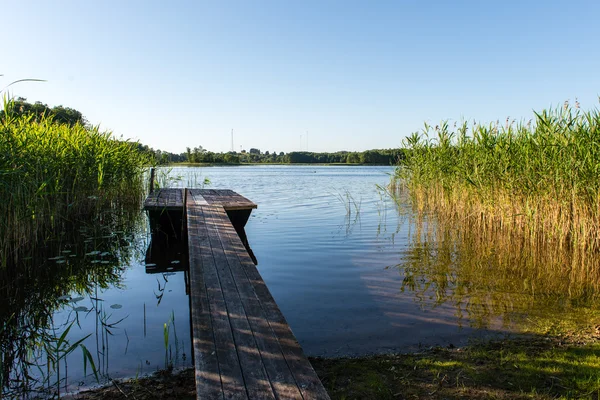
<point x="243" y="346"/>
<point x="171" y="199"/>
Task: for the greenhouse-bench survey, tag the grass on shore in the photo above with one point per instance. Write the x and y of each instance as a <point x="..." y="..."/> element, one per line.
<point x="537" y="368"/>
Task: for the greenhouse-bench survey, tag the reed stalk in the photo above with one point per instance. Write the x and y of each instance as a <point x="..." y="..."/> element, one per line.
<point x="538" y="181"/>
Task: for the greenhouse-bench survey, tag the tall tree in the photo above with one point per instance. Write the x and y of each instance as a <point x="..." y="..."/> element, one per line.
<point x="38" y="110"/>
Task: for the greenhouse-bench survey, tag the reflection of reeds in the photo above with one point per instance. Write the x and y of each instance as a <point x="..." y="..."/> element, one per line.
<point x="69" y="195"/>
<point x="43" y="283"/>
<point x="486" y="274"/>
<point x="540" y="181"/>
<point x="507" y="217"/>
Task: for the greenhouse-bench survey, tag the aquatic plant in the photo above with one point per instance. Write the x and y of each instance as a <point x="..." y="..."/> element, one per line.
<point x="169" y="360"/>
<point x="57" y="348"/>
<point x="536" y="180"/>
<point x="169" y="177"/>
<point x="349" y="202"/>
<point x="52" y="174"/>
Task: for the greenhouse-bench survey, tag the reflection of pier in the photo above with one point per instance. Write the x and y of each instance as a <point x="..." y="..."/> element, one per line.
<point x="166" y="253"/>
<point x="243" y="346"/>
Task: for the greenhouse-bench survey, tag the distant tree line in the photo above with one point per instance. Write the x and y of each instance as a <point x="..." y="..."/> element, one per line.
<point x="199" y="155"/>
<point x="378" y="157"/>
<point x="163" y="157"/>
<point x="37" y="110"/>
<point x="255" y="156"/>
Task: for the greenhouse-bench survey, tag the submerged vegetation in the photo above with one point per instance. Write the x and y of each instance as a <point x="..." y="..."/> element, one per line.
<point x="53" y="173"/>
<point x="537" y="181"/>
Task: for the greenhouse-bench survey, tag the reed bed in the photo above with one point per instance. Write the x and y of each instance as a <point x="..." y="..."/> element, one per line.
<point x="53" y="174"/>
<point x="537" y="181"/>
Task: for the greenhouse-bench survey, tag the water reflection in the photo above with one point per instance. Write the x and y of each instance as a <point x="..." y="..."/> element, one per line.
<point x="86" y="258"/>
<point x="166" y="255"/>
<point x="489" y="276"/>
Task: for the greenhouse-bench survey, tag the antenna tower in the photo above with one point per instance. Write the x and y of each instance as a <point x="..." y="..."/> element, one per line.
<point x="306" y="140"/>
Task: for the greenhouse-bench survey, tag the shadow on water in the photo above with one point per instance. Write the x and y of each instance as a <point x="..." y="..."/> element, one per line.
<point x="85" y="258"/>
<point x="167" y="252"/>
<point x="166" y="255"/>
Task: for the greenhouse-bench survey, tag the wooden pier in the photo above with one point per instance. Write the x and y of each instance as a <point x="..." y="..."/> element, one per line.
<point x="243" y="346"/>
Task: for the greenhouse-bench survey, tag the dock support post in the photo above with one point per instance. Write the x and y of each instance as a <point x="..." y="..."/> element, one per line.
<point x="151" y="180"/>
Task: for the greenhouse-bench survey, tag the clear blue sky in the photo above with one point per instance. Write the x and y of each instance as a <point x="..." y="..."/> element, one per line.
<point x="354" y="75"/>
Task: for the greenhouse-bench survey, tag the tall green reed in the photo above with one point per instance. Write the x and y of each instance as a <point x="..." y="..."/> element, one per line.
<point x="53" y="174"/>
<point x="538" y="180"/>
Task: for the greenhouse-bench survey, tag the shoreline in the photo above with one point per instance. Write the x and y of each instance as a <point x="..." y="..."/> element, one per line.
<point x="533" y="366"/>
<point x="186" y="164"/>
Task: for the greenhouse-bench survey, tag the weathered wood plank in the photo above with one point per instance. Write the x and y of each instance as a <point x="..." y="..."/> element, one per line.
<point x="274" y="361"/>
<point x="229" y="364"/>
<point x="255" y="377"/>
<point x="164" y="200"/>
<point x="208" y="377"/>
<point x="172" y="199"/>
<point x="226" y="198"/>
<point x="199" y="200"/>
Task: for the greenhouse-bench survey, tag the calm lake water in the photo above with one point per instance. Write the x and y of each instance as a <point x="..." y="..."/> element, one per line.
<point x="350" y="269"/>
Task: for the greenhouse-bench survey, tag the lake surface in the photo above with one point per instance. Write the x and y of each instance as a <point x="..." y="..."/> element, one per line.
<point x="352" y="271"/>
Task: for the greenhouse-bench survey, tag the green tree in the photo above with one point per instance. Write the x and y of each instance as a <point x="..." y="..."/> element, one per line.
<point x="353" y="158"/>
<point x="60" y="114"/>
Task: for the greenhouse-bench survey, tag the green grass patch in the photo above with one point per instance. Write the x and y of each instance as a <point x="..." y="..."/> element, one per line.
<point x="532" y="368"/>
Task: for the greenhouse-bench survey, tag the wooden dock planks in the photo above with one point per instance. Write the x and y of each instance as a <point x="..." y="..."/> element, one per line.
<point x="243" y="346"/>
<point x="172" y="199"/>
<point x="164" y="199"/>
<point x="208" y="377"/>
